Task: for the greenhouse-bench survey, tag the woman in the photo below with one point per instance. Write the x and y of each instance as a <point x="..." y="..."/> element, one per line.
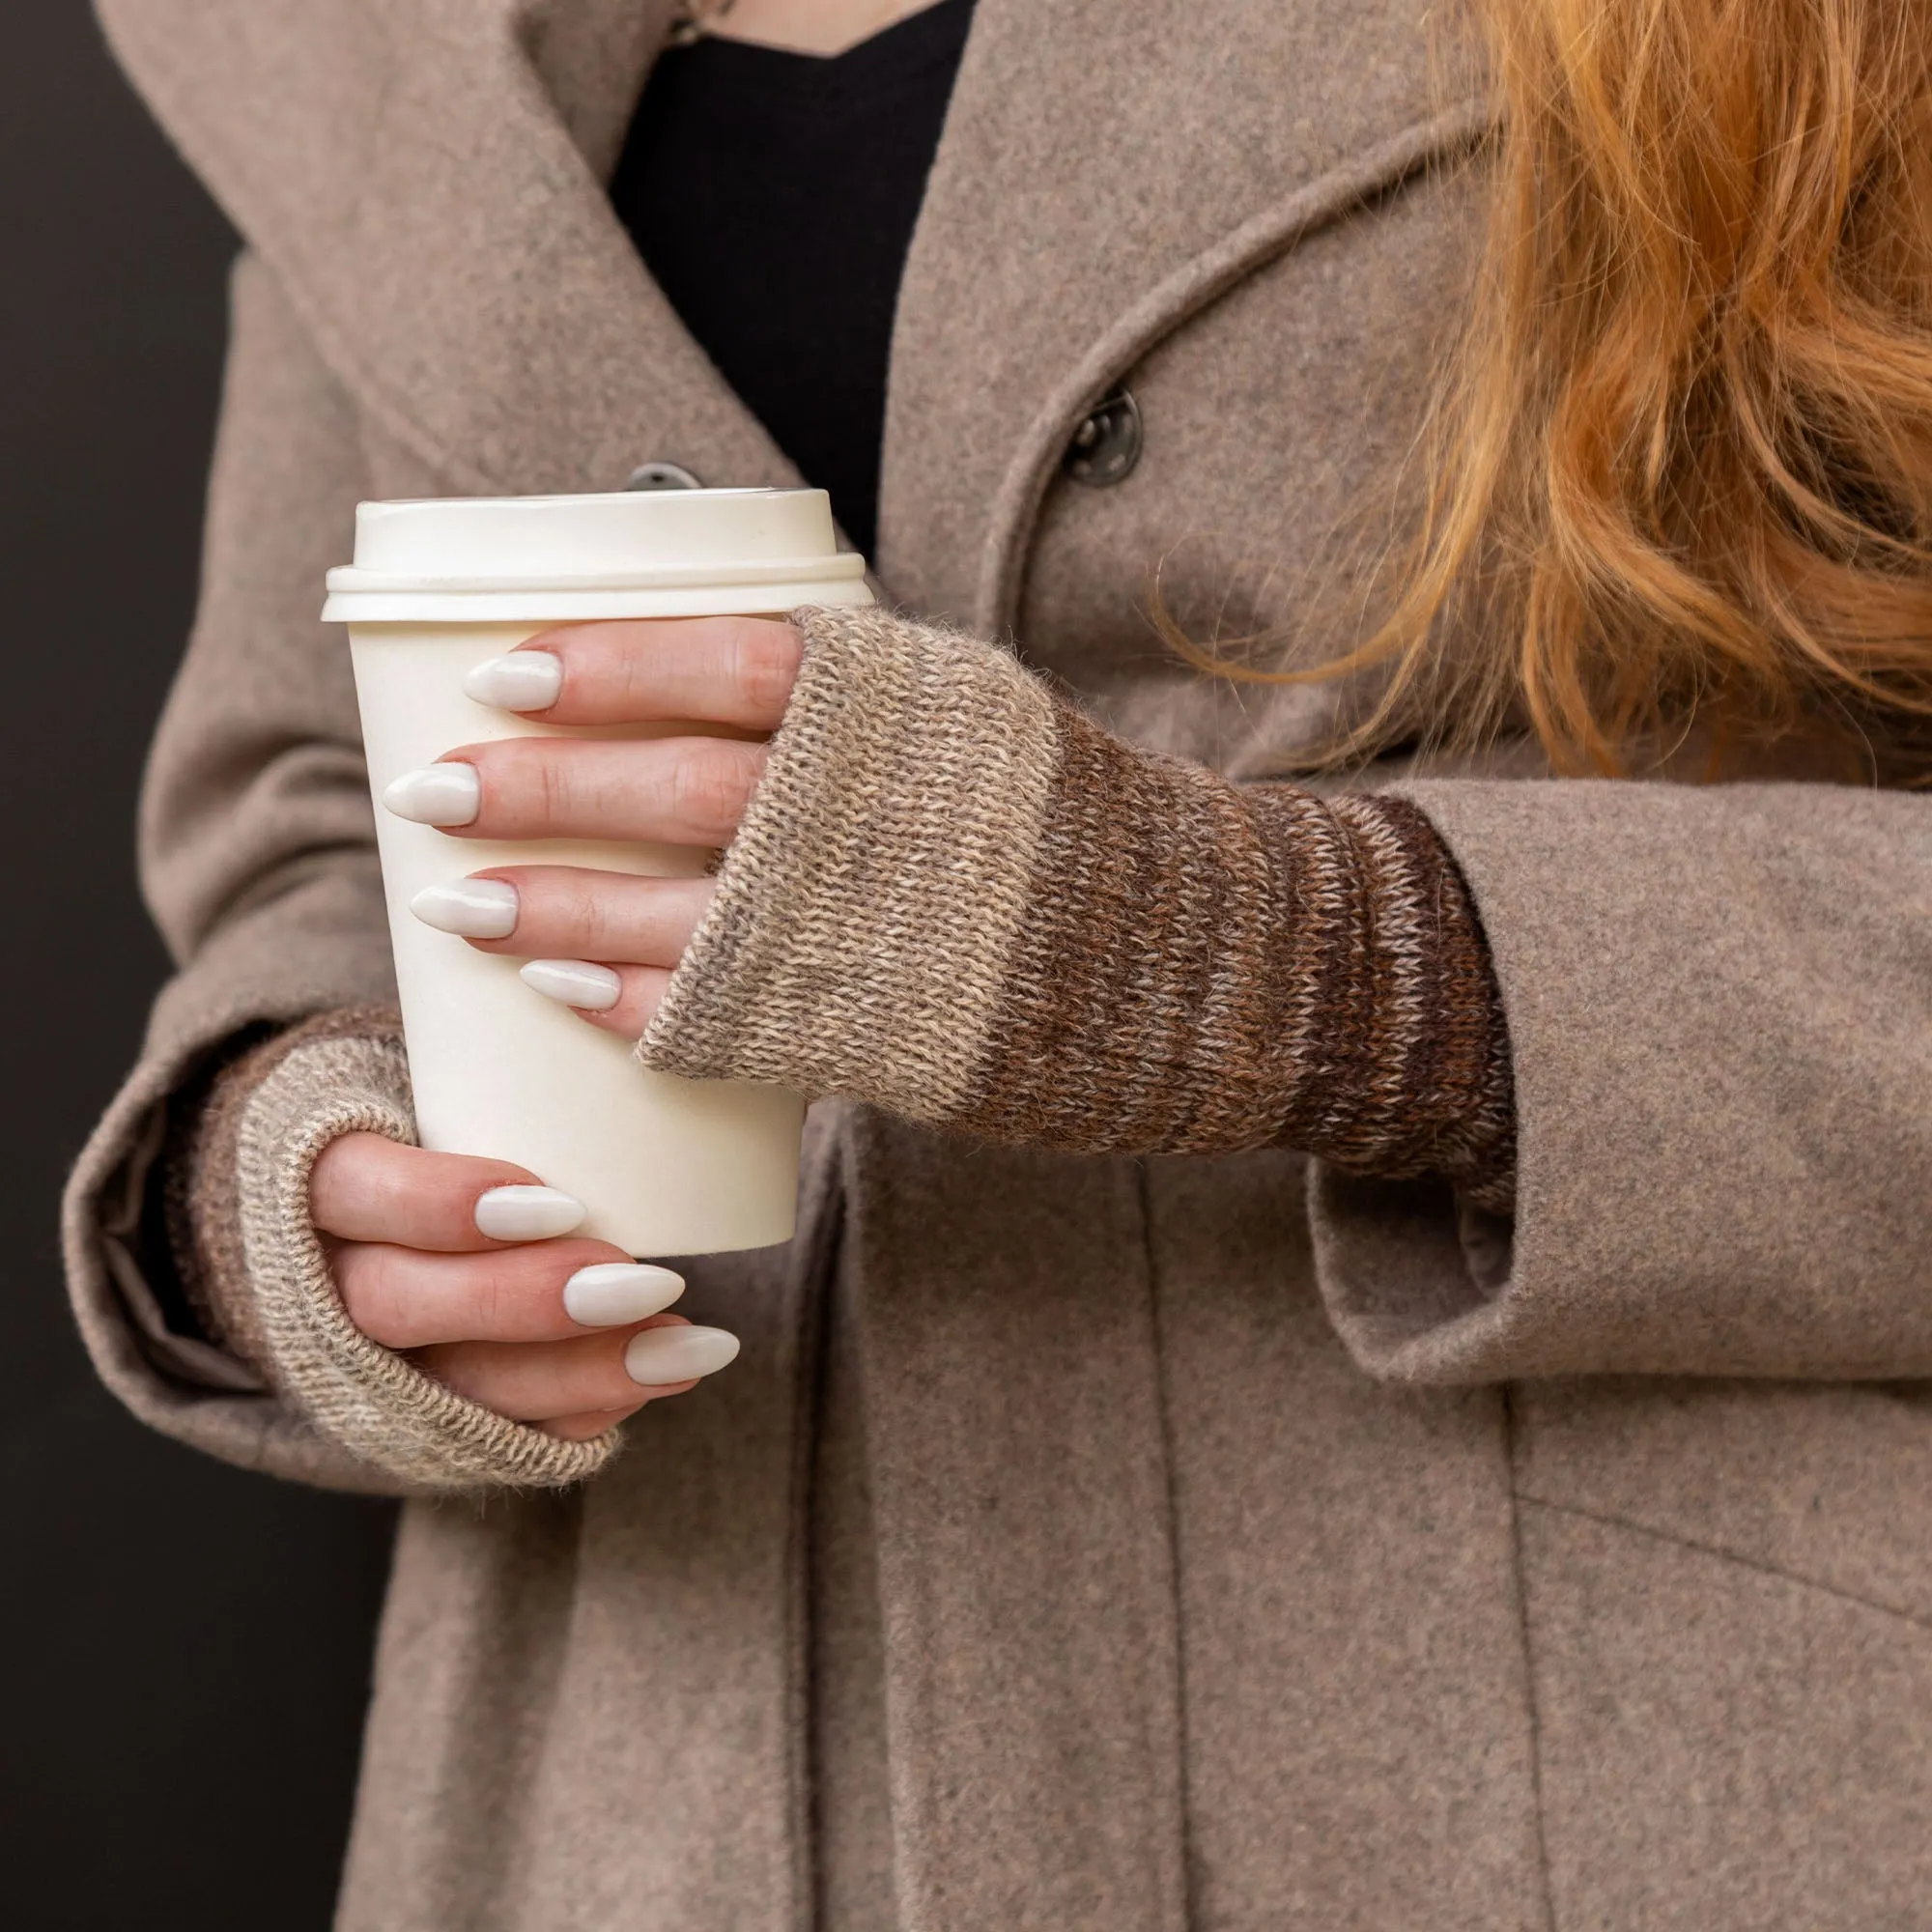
<point x="1357" y="1351"/>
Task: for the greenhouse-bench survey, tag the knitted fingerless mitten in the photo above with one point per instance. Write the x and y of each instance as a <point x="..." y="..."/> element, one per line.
<point x="255" y="1269"/>
<point x="958" y="899"/>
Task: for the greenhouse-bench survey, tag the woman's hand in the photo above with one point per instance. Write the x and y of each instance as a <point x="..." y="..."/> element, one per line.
<point x="605" y="942"/>
<point x="456" y="1262"/>
<point x="969" y="904"/>
<point x="466" y="1265"/>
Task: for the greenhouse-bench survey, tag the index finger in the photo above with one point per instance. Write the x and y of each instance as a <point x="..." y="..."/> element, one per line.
<point x="366" y="1187"/>
<point x="735" y="671"/>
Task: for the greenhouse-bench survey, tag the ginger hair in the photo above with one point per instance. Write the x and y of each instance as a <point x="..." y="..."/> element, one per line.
<point x="1677" y="475"/>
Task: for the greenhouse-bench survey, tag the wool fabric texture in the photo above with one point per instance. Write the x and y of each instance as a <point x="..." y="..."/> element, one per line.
<point x="256" y="1266"/>
<point x="956" y="898"/>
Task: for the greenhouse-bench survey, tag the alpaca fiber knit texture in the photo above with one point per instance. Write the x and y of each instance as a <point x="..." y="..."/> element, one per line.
<point x="259" y="1270"/>
<point x="957" y="899"/>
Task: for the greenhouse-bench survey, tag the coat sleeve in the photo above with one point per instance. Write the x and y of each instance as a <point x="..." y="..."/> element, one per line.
<point x="1719" y="1008"/>
<point x="258" y="858"/>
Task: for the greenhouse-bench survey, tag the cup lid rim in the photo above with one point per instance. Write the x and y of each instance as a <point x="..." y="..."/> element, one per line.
<point x="375" y="506"/>
<point x="349" y="579"/>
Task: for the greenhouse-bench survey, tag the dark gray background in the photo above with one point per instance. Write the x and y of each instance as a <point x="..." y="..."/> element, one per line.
<point x="186" y="1647"/>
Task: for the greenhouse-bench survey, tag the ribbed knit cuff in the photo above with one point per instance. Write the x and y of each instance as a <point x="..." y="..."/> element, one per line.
<point x="956" y="898"/>
<point x="259" y="1273"/>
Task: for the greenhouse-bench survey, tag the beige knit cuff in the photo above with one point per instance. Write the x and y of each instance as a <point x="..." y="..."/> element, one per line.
<point x="265" y="1279"/>
<point x="866" y="911"/>
<point x="956" y="898"/>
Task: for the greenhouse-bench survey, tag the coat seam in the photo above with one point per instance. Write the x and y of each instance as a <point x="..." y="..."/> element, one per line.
<point x="802" y="1691"/>
<point x="1612" y="1520"/>
<point x="1520" y="1581"/>
<point x="822" y="1255"/>
<point x="1164" y="1414"/>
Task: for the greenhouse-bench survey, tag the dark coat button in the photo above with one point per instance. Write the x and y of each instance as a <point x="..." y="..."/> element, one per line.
<point x="663" y="476"/>
<point x="1107" y="446"/>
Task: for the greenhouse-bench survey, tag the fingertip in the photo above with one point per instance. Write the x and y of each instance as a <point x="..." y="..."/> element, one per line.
<point x="640" y="993"/>
<point x="614" y="1294"/>
<point x="367" y="1187"/>
<point x="662" y="1356"/>
<point x="581" y="984"/>
<point x="446" y="796"/>
<point x="523" y="681"/>
<point x="528" y="1212"/>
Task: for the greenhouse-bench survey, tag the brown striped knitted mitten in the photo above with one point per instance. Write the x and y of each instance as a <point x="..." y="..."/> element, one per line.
<point x="960" y="899"/>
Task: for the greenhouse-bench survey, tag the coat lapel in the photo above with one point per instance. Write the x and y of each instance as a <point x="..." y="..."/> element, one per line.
<point x="1107" y="168"/>
<point x="425" y="178"/>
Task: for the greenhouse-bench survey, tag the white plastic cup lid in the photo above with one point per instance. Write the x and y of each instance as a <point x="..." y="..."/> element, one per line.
<point x="642" y="553"/>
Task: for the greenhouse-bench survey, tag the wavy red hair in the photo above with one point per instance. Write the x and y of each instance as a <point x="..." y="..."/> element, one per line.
<point x="1678" y="477"/>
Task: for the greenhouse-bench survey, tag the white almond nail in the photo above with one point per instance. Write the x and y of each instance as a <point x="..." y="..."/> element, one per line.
<point x="449" y="794"/>
<point x="610" y="1293"/>
<point x="470" y="908"/>
<point x="523" y="681"/>
<point x="528" y="1213"/>
<point x="573" y="982"/>
<point x="661" y="1355"/>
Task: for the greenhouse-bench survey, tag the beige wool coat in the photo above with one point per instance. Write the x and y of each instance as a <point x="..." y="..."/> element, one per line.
<point x="1085" y="1542"/>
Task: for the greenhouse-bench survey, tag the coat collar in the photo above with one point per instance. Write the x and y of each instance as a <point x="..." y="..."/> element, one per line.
<point x="425" y="178"/>
<point x="1107" y="169"/>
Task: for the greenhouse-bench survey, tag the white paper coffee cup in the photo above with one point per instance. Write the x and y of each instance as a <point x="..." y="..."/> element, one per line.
<point x="664" y="1166"/>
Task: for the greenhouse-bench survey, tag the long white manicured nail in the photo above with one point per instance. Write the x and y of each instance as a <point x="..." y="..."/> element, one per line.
<point x="470" y="908"/>
<point x="610" y="1294"/>
<point x="528" y="1213"/>
<point x="574" y="983"/>
<point x="449" y="794"/>
<point x="523" y="681"/>
<point x="661" y="1356"/>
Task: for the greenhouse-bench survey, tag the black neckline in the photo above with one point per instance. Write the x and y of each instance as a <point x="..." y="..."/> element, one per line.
<point x="895" y="55"/>
<point x="772" y="195"/>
